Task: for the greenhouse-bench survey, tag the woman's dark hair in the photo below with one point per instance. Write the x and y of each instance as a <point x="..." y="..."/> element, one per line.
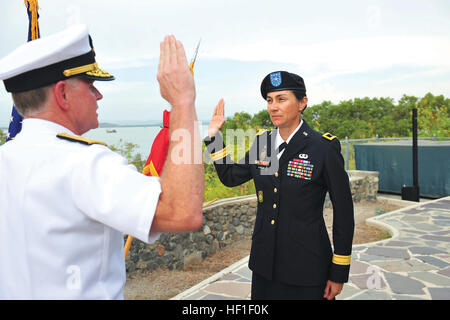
<point x="300" y="95"/>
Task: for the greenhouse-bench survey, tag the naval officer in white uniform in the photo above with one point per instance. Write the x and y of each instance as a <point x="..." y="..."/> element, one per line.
<point x="65" y="201"/>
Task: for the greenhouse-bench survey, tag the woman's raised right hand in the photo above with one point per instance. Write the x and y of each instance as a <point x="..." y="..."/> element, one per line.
<point x="217" y="120"/>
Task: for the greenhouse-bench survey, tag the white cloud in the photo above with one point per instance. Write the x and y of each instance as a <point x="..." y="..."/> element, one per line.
<point x="388" y="44"/>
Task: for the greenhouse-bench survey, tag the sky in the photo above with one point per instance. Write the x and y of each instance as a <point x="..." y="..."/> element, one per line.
<point x="343" y="49"/>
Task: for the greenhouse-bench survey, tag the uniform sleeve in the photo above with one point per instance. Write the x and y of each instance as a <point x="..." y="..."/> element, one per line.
<point x="230" y="174"/>
<point x="109" y="190"/>
<point x="343" y="220"/>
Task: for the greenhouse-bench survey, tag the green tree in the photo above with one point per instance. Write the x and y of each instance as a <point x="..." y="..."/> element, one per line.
<point x="261" y="120"/>
<point x="2" y="137"/>
<point x="127" y="150"/>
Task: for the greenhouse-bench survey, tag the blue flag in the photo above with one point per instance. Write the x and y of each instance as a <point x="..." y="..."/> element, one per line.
<point x="15" y="122"/>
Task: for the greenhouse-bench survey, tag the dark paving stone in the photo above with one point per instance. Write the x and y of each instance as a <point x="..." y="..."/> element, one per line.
<point x="367" y="257"/>
<point x="441" y="233"/>
<point x="388" y="252"/>
<point x="368" y="281"/>
<point x="230" y="276"/>
<point x="433" y="261"/>
<point x="428" y="227"/>
<point x="430" y="277"/>
<point x="445" y="272"/>
<point x="425" y="250"/>
<point x="412" y="211"/>
<point x="357" y="267"/>
<point x="437" y="238"/>
<point x="395" y="243"/>
<point x="439" y="293"/>
<point x="414" y="231"/>
<point x="442" y="217"/>
<point x="437" y="205"/>
<point x="443" y="223"/>
<point x="403" y="285"/>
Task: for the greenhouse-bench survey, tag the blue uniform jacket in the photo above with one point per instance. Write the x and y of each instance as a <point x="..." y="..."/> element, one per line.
<point x="290" y="242"/>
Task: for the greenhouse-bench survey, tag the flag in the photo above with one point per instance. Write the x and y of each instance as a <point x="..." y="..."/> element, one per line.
<point x="15" y="122"/>
<point x="158" y="153"/>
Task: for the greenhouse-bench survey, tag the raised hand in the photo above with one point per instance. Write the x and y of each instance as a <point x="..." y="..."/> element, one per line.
<point x="217" y="120"/>
<point x="176" y="82"/>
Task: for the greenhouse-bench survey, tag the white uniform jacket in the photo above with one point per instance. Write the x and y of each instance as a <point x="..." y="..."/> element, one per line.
<point x="64" y="207"/>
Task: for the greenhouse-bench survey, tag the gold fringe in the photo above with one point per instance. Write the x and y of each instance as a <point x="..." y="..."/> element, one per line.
<point x="150" y="168"/>
<point x="33" y="7"/>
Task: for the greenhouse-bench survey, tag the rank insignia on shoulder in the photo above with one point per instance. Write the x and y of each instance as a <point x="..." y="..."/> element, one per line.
<point x="329" y="136"/>
<point x="82" y="140"/>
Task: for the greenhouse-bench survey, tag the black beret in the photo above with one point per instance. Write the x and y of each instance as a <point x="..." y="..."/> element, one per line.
<point x="282" y="80"/>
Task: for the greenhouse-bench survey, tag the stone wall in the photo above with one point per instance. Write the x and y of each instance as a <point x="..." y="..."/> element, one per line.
<point x="224" y="221"/>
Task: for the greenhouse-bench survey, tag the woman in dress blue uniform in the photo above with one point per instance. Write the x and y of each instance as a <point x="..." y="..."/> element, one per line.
<point x="292" y="167"/>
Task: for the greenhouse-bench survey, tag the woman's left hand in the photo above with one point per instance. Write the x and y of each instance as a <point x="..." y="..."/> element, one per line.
<point x="332" y="289"/>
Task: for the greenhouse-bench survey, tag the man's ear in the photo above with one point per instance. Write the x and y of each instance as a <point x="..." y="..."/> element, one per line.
<point x="61" y="95"/>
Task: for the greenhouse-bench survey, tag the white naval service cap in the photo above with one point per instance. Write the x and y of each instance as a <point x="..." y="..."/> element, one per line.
<point x="47" y="60"/>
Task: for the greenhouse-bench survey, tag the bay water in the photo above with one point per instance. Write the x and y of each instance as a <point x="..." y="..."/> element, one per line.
<point x="142" y="136"/>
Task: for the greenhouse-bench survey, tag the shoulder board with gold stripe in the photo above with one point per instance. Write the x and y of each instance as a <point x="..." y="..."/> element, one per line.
<point x="82" y="140"/>
<point x="329" y="136"/>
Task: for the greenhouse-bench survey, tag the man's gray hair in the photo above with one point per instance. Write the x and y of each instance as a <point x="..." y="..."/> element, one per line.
<point x="30" y="102"/>
<point x="33" y="101"/>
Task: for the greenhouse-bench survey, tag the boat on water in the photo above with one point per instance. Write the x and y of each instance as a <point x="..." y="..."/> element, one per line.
<point x="111" y="131"/>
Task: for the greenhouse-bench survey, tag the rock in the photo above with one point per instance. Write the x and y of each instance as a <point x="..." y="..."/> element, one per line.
<point x="214" y="247"/>
<point x="209" y="238"/>
<point x="179" y="265"/>
<point x="206" y="230"/>
<point x="152" y="265"/>
<point x="192" y="258"/>
<point x="160" y="250"/>
<point x="240" y="229"/>
<point x="147" y="256"/>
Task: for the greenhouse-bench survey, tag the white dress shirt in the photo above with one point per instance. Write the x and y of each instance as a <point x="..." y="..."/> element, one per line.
<point x="64" y="207"/>
<point x="279" y="140"/>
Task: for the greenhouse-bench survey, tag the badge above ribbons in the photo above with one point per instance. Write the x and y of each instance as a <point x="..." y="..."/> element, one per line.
<point x="275" y="79"/>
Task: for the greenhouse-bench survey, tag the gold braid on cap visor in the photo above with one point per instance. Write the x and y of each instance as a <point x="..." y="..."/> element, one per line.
<point x="90" y="69"/>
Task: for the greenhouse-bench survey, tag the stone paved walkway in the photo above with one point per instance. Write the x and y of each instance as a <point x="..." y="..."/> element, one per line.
<point x="413" y="264"/>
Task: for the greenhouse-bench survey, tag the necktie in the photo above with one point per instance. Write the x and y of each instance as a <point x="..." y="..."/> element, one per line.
<point x="282" y="147"/>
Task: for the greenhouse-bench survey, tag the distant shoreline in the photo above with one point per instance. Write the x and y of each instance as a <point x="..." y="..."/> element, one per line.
<point x="115" y="125"/>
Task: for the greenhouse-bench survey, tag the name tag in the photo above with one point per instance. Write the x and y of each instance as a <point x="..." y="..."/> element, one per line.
<point x="262" y="164"/>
